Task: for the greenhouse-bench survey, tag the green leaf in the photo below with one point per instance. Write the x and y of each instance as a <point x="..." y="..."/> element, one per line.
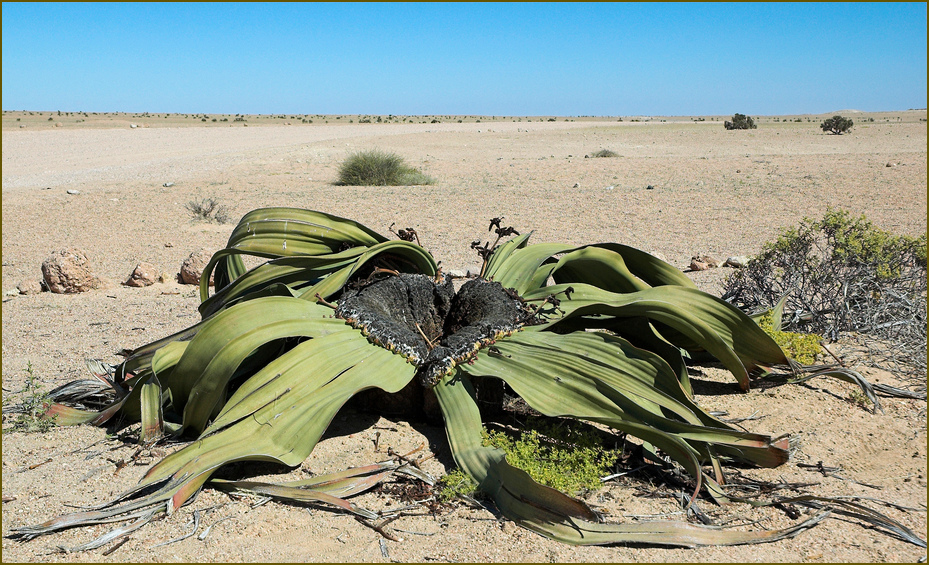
<point x="198" y="382"/>
<point x="151" y="416"/>
<point x="597" y="267"/>
<point x="516" y="270"/>
<point x="720" y="328"/>
<point x="280" y="232"/>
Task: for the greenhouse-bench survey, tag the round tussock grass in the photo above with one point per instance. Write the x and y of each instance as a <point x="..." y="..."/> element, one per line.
<point x="374" y="167"/>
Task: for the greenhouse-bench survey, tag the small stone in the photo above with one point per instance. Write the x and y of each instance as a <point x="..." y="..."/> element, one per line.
<point x="576" y="185"/>
<point x="192" y="268"/>
<point x="702" y="263"/>
<point x="736" y="262"/>
<point x="710" y="261"/>
<point x="68" y="271"/>
<point x="168" y="184"/>
<point x="145" y="274"/>
<point x="29" y="287"/>
<point x="697" y="265"/>
<point x="649" y="187"/>
<point x="72" y="191"/>
<point x="169" y="244"/>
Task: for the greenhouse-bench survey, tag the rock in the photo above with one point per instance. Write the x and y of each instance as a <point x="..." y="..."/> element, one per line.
<point x="57" y="124"/>
<point x="702" y="263"/>
<point x="193" y="266"/>
<point x="30" y="287"/>
<point x="144" y="274"/>
<point x="576" y="185"/>
<point x="72" y="191"/>
<point x="168" y="184"/>
<point x="133" y="126"/>
<point x="737" y="261"/>
<point x="68" y="271"/>
<point x="649" y="187"/>
<point x="713" y="263"/>
<point x="697" y="265"/>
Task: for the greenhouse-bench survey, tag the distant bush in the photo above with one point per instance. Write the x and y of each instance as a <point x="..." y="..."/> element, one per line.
<point x="837" y="125"/>
<point x="209" y="210"/>
<point x="378" y="168"/>
<point x="740" y="121"/>
<point x="604" y="153"/>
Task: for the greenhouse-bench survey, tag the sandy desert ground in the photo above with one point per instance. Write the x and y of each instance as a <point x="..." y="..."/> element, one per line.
<point x="119" y="193"/>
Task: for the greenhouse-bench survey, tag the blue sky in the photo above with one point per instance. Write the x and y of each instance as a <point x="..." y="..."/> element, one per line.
<point x="570" y="59"/>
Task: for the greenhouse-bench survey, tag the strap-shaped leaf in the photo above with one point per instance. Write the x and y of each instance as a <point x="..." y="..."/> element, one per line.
<point x="603" y="378"/>
<point x="294" y="272"/>
<point x="198" y="381"/>
<point x="280" y="232"/>
<point x="517" y="269"/>
<point x="284" y="431"/>
<point x="308" y="225"/>
<point x="397" y="255"/>
<point x="598" y="267"/>
<point x="652" y="270"/>
<point x="151" y="413"/>
<point x="720" y="328"/>
<point x="503" y="251"/>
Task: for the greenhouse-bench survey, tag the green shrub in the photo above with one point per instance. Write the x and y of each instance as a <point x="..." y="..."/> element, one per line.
<point x="34" y="403"/>
<point x="569" y="459"/>
<point x="378" y="168"/>
<point x="802" y="347"/>
<point x="740" y="121"/>
<point x="838" y="275"/>
<point x="455" y="484"/>
<point x="837" y="125"/>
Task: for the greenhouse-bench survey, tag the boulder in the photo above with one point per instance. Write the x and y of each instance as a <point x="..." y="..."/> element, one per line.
<point x="68" y="271"/>
<point x="193" y="266"/>
<point x="144" y="274"/>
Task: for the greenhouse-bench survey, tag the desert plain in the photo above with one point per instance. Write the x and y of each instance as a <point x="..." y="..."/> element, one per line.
<point x="117" y="186"/>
